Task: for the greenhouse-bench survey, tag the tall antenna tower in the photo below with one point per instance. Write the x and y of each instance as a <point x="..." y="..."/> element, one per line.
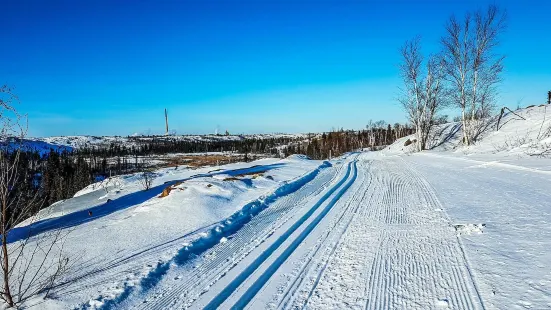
<point x="166" y="121"/>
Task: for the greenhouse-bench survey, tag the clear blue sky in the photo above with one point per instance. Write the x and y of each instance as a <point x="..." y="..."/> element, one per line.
<point x="111" y="67"/>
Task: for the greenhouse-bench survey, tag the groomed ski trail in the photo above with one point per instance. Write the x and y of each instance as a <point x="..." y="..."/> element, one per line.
<point x="367" y="233"/>
<point x="399" y="252"/>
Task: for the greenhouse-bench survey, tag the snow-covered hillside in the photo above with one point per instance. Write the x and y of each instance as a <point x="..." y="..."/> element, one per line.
<point x="91" y="141"/>
<point x="522" y="136"/>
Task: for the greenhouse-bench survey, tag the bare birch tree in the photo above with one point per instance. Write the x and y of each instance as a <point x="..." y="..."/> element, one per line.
<point x="30" y="264"/>
<point x="472" y="68"/>
<point x="423" y="92"/>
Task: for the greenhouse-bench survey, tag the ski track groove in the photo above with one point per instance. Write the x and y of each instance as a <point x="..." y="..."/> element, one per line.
<point x="338" y="242"/>
<point x="318" y="277"/>
<point x="332" y="238"/>
<point x="304" y="295"/>
<point x="259" y="283"/>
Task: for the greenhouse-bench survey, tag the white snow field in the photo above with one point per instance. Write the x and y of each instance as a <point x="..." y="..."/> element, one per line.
<point x="451" y="228"/>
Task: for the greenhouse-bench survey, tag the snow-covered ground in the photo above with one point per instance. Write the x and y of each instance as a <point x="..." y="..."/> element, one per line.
<point x="510" y="256"/>
<point x="449" y="228"/>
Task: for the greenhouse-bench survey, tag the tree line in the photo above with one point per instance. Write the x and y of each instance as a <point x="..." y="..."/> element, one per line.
<point x="336" y="143"/>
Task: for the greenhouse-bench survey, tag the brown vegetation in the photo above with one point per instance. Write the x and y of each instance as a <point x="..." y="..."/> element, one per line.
<point x="197" y="161"/>
<point x="168" y="189"/>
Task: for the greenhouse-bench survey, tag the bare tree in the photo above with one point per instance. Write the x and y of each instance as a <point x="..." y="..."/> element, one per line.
<point x="31" y="263"/>
<point x="472" y="68"/>
<point x="423" y="92"/>
<point x="107" y="184"/>
<point x="146" y="175"/>
<point x="370" y="128"/>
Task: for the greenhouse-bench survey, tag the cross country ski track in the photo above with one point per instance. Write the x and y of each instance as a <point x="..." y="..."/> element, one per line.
<point x="366" y="233"/>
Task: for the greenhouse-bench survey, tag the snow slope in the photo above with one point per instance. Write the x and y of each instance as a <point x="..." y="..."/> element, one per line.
<point x="520" y="134"/>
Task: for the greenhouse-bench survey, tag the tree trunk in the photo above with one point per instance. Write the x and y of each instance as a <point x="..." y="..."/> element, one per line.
<point x="464" y="121"/>
<point x="7" y="293"/>
<point x="419" y="135"/>
<point x="5" y="254"/>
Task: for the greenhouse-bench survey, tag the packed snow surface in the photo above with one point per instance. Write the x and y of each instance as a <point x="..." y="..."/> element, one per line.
<point x="451" y="228"/>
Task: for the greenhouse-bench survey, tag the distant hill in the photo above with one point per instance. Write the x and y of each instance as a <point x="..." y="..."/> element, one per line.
<point x="60" y="143"/>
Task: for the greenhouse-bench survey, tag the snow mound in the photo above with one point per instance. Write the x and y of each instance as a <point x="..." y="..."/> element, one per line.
<point x="400" y="146"/>
<point x="469" y="229"/>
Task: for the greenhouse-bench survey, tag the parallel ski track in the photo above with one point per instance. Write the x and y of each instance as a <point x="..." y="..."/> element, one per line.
<point x="346" y="262"/>
<point x="317" y="259"/>
<point x="223" y="257"/>
<point x="245" y="298"/>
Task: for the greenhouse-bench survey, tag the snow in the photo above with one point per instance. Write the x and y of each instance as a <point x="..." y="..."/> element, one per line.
<point x="44" y="144"/>
<point x="469" y="228"/>
<point x="451" y="228"/>
<point x="510" y="253"/>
